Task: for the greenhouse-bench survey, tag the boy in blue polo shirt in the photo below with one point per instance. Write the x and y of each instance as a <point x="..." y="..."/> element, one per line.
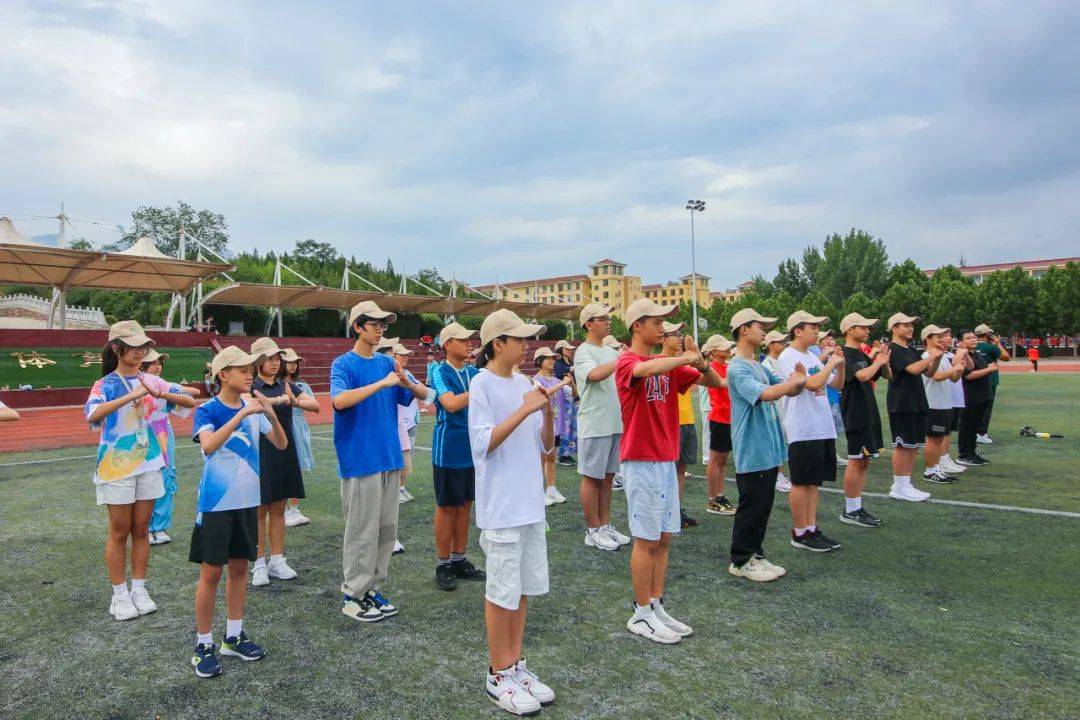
<point x="366" y="387"/>
<point x="451" y="458"/>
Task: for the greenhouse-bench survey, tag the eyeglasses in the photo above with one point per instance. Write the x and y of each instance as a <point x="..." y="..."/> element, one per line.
<point x="376" y="323"/>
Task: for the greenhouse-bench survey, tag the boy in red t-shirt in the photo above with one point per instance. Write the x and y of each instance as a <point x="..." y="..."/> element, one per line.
<point x="648" y="388"/>
<point x="718" y="349"/>
<point x="1033" y="356"/>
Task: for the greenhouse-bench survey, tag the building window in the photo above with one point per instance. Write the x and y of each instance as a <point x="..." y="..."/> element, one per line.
<point x="605" y="295"/>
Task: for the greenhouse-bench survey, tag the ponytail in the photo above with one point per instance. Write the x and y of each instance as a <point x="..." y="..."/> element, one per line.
<point x="487" y="352"/>
<point x="110" y="356"/>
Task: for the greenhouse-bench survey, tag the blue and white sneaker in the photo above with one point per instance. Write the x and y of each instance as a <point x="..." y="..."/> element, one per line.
<point x="205" y="661"/>
<point x="361" y="609"/>
<point x="381" y="604"/>
<point x="242" y="647"/>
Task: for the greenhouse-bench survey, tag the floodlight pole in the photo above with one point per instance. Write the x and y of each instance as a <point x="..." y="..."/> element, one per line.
<point x="181" y="254"/>
<point x="694" y="206"/>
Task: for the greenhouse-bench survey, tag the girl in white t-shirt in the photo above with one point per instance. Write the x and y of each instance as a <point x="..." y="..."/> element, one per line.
<point x="508" y="436"/>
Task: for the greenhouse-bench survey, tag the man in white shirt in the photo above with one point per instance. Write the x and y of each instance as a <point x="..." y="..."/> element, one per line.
<point x="939" y="397"/>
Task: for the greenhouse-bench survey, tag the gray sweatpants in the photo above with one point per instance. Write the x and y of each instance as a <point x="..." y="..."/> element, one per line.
<point x="370" y="507"/>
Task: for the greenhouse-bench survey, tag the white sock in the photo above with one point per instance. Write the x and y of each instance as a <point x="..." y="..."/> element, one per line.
<point x="812" y="528"/>
<point x="233" y="628"/>
<point x="260" y="563"/>
<point x="640" y="610"/>
<point x="800" y="530"/>
<point x="932" y="470"/>
<point x="204" y="638"/>
<point x="853" y="504"/>
<point x="901" y="481"/>
<point x="604" y="528"/>
<point x="276" y="559"/>
<point x="136" y="584"/>
<point x="120" y="589"/>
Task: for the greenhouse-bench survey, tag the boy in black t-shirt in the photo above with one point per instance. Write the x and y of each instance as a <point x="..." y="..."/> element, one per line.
<point x="906" y="402"/>
<point x="978" y="399"/>
<point x="862" y="422"/>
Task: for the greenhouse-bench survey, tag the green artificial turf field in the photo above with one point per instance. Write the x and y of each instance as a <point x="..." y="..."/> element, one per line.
<point x="183" y="363"/>
<point x="947" y="611"/>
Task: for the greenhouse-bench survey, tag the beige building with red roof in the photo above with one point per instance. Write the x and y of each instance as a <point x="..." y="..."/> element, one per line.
<point x="1034" y="268"/>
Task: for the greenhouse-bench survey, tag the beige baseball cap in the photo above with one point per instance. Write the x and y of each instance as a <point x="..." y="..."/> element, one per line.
<point x="646" y="308"/>
<point x="775" y="336"/>
<point x="130" y="333"/>
<point x="506" y="322"/>
<point x="456" y="331"/>
<point x="670" y="328"/>
<point x="932" y="330"/>
<point x="748" y="315"/>
<point x="716" y="342"/>
<point x="400" y="349"/>
<point x="801" y="316"/>
<point x="612" y="342"/>
<point x="593" y="310"/>
<point x="233" y="356"/>
<point x="265" y="346"/>
<point x="901" y="318"/>
<point x="387" y="343"/>
<point x="542" y="353"/>
<point x="289" y="355"/>
<point x="822" y="334"/>
<point x="984" y="329"/>
<point x="371" y="310"/>
<point x="564" y="344"/>
<point x="153" y="355"/>
<point x="856" y="320"/>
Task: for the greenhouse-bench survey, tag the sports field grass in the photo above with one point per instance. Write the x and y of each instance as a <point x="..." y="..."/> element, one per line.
<point x="183" y="363"/>
<point x="945" y="612"/>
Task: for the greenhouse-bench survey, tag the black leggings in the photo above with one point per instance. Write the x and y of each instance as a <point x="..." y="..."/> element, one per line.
<point x="970" y="422"/>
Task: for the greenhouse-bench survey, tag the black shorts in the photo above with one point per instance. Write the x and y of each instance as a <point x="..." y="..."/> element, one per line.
<point x="225" y="535"/>
<point x="907" y="430"/>
<point x="954" y="426"/>
<point x="719" y="437"/>
<point x="812" y="462"/>
<point x="864" y="444"/>
<point x="938" y="423"/>
<point x="687" y="445"/>
<point x="453" y="486"/>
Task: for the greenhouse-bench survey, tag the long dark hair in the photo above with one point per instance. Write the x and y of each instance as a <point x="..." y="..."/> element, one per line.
<point x="488" y="352"/>
<point x="283" y="373"/>
<point x="110" y="356"/>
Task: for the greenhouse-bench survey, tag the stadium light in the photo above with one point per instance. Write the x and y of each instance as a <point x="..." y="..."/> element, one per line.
<point x="694" y="206"/>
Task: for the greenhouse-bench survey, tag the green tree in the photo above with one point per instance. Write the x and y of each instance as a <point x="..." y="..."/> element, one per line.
<point x="909" y="298"/>
<point x="321" y="253"/>
<point x="908" y="272"/>
<point x="1059" y="299"/>
<point x="817" y="303"/>
<point x="856" y="262"/>
<point x="791" y="279"/>
<point x="1008" y="301"/>
<point x="858" y="303"/>
<point x="162" y="225"/>
<point x="950" y="273"/>
<point x="811" y="264"/>
<point x="951" y="304"/>
<point x="761" y="287"/>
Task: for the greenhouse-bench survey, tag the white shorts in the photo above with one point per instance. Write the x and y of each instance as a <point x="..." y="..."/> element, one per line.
<point x="652" y="498"/>
<point x="516" y="563"/>
<point x="598" y="457"/>
<point x="148" y="486"/>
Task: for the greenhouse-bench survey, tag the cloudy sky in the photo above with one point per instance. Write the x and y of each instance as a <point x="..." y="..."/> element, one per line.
<point x="515" y="139"/>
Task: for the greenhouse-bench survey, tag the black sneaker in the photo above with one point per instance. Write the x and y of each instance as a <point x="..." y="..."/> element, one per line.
<point x="725" y="505"/>
<point x="465" y="570"/>
<point x="444" y="576"/>
<point x="810" y="541"/>
<point x="861" y="518"/>
<point x="981" y="460"/>
<point x="566" y="460"/>
<point x="938" y="478"/>
<point x="687" y="521"/>
<point x="827" y="540"/>
<point x="968" y="460"/>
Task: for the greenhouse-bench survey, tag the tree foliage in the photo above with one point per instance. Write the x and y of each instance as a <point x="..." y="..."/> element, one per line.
<point x="162" y="225"/>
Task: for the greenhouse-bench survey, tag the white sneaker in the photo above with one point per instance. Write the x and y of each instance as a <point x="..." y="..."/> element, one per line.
<point x="153" y="539"/>
<point x="559" y="497"/>
<point x="841" y="461"/>
<point x="280" y="570"/>
<point x="617" y="536"/>
<point x="780" y="572"/>
<point x="163" y="538"/>
<point x="292" y="516"/>
<point x="909" y="493"/>
<point x="647" y="625"/>
<point x="403" y="496"/>
<point x="679" y="628"/>
<point x="408" y="495"/>
<point x="984" y="439"/>
<point x="549" y="500"/>
<point x="601" y="541"/>
<point x="782" y="483"/>
<point x="121" y="607"/>
<point x="504" y="690"/>
<point x="398" y="548"/>
<point x="617" y="483"/>
<point x="754" y="570"/>
<point x="259" y="576"/>
<point x="532" y="684"/>
<point x="949" y="465"/>
<point x="142" y="602"/>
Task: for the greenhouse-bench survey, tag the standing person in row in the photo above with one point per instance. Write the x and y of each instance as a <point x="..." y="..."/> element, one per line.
<point x="161" y="520"/>
<point x="130" y="458"/>
<point x="451" y="458"/>
<point x="226" y="532"/>
<point x="508" y="435"/>
<point x="301" y="432"/>
<point x="827" y="346"/>
<point x="809" y="427"/>
<point x="862" y="420"/>
<point x="938" y="389"/>
<point x="408" y="418"/>
<point x="978" y="400"/>
<point x="544" y="359"/>
<point x="718" y="349"/>
<point x="758" y="441"/>
<point x="989" y="346"/>
<point x="648" y="394"/>
<point x="279" y="472"/>
<point x="670" y="346"/>
<point x="906" y="402"/>
<point x="566" y="424"/>
<point x="956" y="393"/>
<point x="366" y="387"/>
<point x="775" y="342"/>
<point x="600" y="426"/>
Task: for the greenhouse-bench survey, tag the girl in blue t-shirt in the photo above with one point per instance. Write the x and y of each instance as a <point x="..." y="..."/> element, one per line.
<point x="301" y="432"/>
<point x="226" y="531"/>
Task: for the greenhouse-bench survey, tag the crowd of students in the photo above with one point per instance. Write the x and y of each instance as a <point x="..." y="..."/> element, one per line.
<point x="769" y="399"/>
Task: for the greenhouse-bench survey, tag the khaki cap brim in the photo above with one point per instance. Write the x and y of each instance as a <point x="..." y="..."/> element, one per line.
<point x="454" y="331"/>
<point x="289" y="355"/>
<point x="647" y="309"/>
<point x="227" y="359"/>
<point x="593" y="310"/>
<point x="932" y="330"/>
<point x="154" y="355"/>
<point x="749" y="315"/>
<point x="775" y="336"/>
<point x="902" y="318"/>
<point x="856" y="320"/>
<point x="371" y="310"/>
